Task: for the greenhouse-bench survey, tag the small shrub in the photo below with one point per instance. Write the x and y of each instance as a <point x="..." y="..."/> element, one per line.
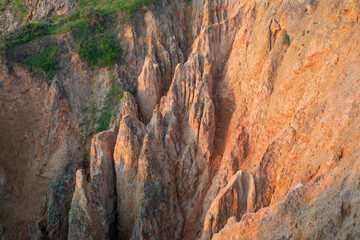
<point x="286" y="39"/>
<point x="44" y="60"/>
<point x="116" y="91"/>
<point x="99" y="50"/>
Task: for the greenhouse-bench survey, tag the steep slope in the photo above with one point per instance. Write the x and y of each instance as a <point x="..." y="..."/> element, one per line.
<point x="15" y="13"/>
<point x="57" y="123"/>
<point x="244" y="125"/>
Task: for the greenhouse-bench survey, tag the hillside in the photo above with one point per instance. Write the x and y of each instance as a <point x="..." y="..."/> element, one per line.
<point x="174" y="119"/>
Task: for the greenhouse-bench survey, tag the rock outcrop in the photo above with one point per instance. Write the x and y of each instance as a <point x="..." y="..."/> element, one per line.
<point x="8" y="22"/>
<point x="237" y="198"/>
<point x="13" y="15"/>
<point x="243" y="125"/>
<point x="93" y="208"/>
<point x="149" y="88"/>
<point x="127" y="150"/>
<point x="44" y="8"/>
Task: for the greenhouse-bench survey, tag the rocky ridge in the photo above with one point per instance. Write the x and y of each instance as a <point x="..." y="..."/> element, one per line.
<point x="244" y="126"/>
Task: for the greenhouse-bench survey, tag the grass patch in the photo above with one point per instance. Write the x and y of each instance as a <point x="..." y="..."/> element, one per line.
<point x="16" y="7"/>
<point x="31" y="31"/>
<point x="23" y="35"/>
<point x="44" y="60"/>
<point x="95" y="45"/>
<point x="88" y="12"/>
<point x="110" y="6"/>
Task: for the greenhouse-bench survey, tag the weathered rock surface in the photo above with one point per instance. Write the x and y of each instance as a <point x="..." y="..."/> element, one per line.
<point x="149" y="88"/>
<point x="237" y="198"/>
<point x="5" y="189"/>
<point x="284" y="139"/>
<point x="44" y="8"/>
<point x="244" y="126"/>
<point x="127" y="150"/>
<point x="308" y="212"/>
<point x="93" y="208"/>
<point x="8" y="22"/>
<point x="37" y="10"/>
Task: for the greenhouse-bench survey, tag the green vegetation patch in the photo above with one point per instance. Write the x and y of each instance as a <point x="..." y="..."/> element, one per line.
<point x="23" y="35"/>
<point x="286" y="39"/>
<point x="31" y="31"/>
<point x="99" y="49"/>
<point x="44" y="60"/>
<point x="94" y="44"/>
<point x="87" y="14"/>
<point x="109" y="6"/>
<point x="16" y="7"/>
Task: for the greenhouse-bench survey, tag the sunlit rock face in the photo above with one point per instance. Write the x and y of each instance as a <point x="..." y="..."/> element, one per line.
<point x="92" y="213"/>
<point x="45" y="7"/>
<point x="242" y="124"/>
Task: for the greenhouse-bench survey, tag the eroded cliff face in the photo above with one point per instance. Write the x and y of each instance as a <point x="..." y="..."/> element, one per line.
<point x="244" y="125"/>
<point x="29" y="10"/>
